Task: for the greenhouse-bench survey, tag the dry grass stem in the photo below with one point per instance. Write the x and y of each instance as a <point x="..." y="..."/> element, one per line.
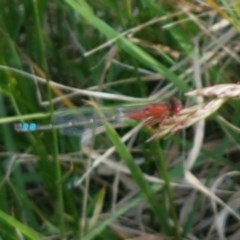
<point x="188" y="117"/>
<point x="191" y="115"/>
<point x="219" y="91"/>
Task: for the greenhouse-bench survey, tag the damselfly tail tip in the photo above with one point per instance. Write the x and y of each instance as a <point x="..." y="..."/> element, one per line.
<point x="24" y="127"/>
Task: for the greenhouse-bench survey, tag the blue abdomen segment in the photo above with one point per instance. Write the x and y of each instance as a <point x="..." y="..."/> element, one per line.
<point x="26" y="127"/>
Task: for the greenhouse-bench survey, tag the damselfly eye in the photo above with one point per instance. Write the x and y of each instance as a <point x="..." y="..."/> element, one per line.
<point x="175" y="105"/>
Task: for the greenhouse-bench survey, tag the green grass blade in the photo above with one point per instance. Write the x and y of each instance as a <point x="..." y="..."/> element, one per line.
<point x="86" y="12"/>
<point x="28" y="232"/>
<point x="137" y="174"/>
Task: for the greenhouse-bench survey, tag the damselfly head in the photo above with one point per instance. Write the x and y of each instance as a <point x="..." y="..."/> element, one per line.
<point x="175" y="105"/>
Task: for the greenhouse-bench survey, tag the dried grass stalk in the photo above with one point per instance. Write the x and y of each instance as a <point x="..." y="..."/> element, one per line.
<point x="218" y="91"/>
<point x="188" y="117"/>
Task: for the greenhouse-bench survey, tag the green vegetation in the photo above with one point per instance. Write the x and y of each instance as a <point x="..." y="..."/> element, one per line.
<point x="105" y="55"/>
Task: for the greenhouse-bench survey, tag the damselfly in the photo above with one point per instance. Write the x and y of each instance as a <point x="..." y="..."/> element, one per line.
<point x="75" y="121"/>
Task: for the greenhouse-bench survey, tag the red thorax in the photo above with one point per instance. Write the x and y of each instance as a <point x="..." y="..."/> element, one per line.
<point x="156" y="111"/>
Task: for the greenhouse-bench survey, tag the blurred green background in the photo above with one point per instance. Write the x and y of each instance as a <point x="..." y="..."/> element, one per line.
<point x="60" y="54"/>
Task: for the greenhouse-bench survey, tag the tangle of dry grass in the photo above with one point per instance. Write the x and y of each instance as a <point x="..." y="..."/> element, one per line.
<point x="191" y="115"/>
<point x="218" y="91"/>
